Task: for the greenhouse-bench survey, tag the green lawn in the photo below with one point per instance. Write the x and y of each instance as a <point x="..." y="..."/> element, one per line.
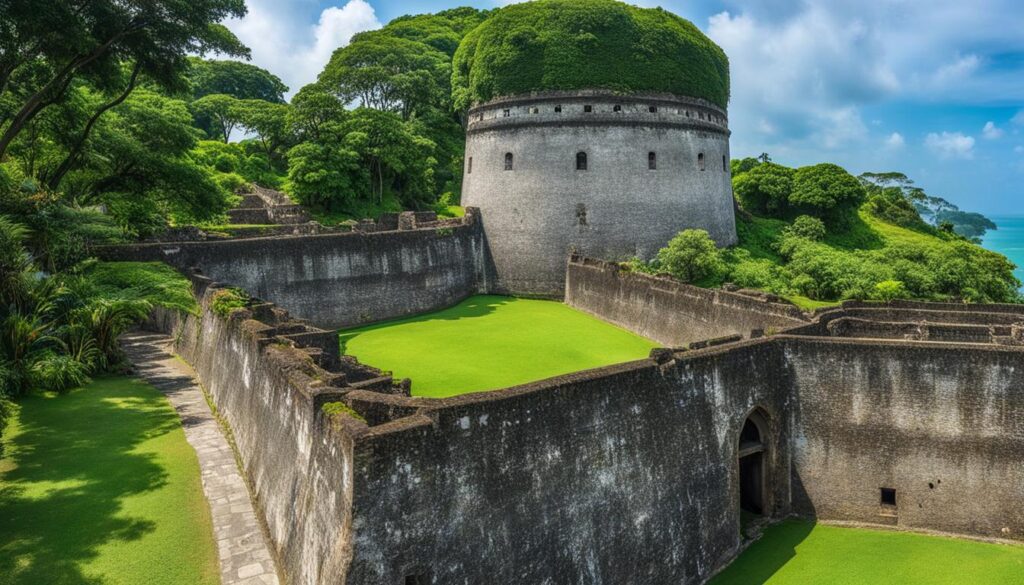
<point x="99" y="487"/>
<point x="800" y="553"/>
<point x="491" y="342"/>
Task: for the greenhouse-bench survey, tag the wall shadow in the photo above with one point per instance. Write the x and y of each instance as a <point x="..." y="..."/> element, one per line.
<point x="767" y="556"/>
<point x="69" y="470"/>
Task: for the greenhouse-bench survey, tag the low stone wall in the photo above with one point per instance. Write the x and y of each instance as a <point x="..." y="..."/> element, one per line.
<point x="263" y="371"/>
<point x="338" y="280"/>
<point x="666" y="310"/>
<point x="942" y="424"/>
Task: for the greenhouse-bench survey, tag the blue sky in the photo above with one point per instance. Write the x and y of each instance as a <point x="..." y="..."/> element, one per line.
<point x="934" y="88"/>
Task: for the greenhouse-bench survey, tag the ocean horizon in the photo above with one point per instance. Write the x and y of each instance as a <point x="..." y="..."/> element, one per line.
<point x="1008" y="240"/>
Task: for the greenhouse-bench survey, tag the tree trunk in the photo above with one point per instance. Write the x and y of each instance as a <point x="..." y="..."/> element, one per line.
<point x="54" y="89"/>
<point x="72" y="156"/>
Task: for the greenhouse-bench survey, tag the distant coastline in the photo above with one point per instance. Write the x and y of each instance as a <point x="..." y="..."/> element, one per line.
<point x="1008" y="239"/>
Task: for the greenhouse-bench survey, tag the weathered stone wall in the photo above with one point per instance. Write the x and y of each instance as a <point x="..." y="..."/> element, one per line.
<point x="943" y="424"/>
<point x="543" y="208"/>
<point x="298" y="463"/>
<point x="617" y="475"/>
<point x="666" y="310"/>
<point x="337" y="280"/>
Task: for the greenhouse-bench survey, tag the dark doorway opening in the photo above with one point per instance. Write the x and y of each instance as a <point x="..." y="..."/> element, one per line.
<point x="752" y="458"/>
<point x="752" y="484"/>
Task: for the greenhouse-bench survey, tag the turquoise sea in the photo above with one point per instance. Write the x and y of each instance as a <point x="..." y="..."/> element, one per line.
<point x="1008" y="240"/>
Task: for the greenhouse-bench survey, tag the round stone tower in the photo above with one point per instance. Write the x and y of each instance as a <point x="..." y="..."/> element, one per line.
<point x="606" y="141"/>
<point x="608" y="175"/>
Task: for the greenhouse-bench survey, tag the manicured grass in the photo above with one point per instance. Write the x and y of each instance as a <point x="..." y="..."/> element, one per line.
<point x="100" y="488"/>
<point x="490" y="342"/>
<point x="800" y="553"/>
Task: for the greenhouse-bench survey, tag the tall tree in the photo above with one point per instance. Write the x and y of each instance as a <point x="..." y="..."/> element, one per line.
<point x="222" y="110"/>
<point x="89" y="39"/>
<point x="388" y="73"/>
<point x="241" y="80"/>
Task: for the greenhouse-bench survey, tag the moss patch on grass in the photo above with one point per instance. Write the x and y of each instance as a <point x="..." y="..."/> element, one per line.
<point x="795" y="552"/>
<point x="100" y="487"/>
<point x="491" y="342"/>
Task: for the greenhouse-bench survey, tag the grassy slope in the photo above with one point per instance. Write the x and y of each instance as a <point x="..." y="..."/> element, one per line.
<point x="101" y="488"/>
<point x="757" y="235"/>
<point x="489" y="342"/>
<point x="795" y="552"/>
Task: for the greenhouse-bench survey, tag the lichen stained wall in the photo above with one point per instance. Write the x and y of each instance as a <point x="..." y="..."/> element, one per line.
<point x="621" y="475"/>
<point x="942" y="424"/>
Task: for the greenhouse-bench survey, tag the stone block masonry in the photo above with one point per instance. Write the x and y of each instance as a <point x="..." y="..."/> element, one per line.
<point x="345" y="279"/>
<point x="666" y="310"/>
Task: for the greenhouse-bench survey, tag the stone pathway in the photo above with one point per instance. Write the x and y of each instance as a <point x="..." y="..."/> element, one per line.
<point x="244" y="553"/>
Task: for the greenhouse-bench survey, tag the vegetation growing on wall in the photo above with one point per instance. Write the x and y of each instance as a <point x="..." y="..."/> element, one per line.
<point x="818" y="235"/>
<point x="577" y="44"/>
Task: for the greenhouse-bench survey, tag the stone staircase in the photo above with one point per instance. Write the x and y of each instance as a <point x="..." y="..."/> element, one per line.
<point x="265" y="207"/>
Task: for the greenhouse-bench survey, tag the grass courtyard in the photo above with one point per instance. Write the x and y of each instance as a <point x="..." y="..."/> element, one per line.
<point x="795" y="552"/>
<point x="100" y="487"/>
<point x="491" y="342"/>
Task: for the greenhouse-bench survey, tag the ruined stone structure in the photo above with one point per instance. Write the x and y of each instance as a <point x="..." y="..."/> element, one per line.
<point x="907" y="415"/>
<point x="596" y="172"/>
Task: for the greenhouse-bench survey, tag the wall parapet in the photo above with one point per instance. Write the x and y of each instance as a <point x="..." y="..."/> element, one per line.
<point x="341" y="279"/>
<point x="669" y="311"/>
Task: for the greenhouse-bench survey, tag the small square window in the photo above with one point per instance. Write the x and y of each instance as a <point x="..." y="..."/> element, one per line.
<point x="888" y="496"/>
<point x="653" y="109"/>
<point x="417" y="580"/>
<point x="588" y="109"/>
<point x="558" y="109"/>
<point x="534" y="110"/>
<point x="506" y="113"/>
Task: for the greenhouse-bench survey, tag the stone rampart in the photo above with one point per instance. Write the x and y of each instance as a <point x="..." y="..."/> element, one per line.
<point x="666" y="310"/>
<point x="940" y="423"/>
<point x="599" y="476"/>
<point x="340" y="279"/>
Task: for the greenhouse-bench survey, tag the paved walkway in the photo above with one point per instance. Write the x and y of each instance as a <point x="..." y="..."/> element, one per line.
<point x="244" y="553"/>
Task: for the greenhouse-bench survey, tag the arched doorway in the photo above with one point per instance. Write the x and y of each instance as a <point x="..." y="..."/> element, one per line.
<point x="753" y="452"/>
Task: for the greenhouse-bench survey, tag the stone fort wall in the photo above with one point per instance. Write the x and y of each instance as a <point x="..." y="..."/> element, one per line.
<point x="340" y="279"/>
<point x="668" y="311"/>
<point x="603" y="475"/>
<point x="522" y="171"/>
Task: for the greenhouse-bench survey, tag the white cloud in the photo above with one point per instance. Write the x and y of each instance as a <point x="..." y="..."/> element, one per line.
<point x="991" y="131"/>
<point x="958" y="69"/>
<point x="895" y="140"/>
<point x="1018" y="118"/>
<point x="1018" y="149"/>
<point x="802" y="80"/>
<point x="286" y="43"/>
<point x="950" y="145"/>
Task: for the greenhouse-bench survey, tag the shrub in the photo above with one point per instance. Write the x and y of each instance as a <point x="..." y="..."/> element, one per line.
<point x="889" y="290"/>
<point x="690" y="256"/>
<point x="59" y="373"/>
<point x="765" y="189"/>
<point x="827" y="191"/>
<point x="807" y="227"/>
<point x="227" y="300"/>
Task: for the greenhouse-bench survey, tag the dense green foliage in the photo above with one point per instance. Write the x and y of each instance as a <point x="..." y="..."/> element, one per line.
<point x="101" y="487"/>
<point x="490" y="342"/>
<point x="882" y="251"/>
<point x="794" y="552"/>
<point x="58" y="329"/>
<point x="577" y="44"/>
